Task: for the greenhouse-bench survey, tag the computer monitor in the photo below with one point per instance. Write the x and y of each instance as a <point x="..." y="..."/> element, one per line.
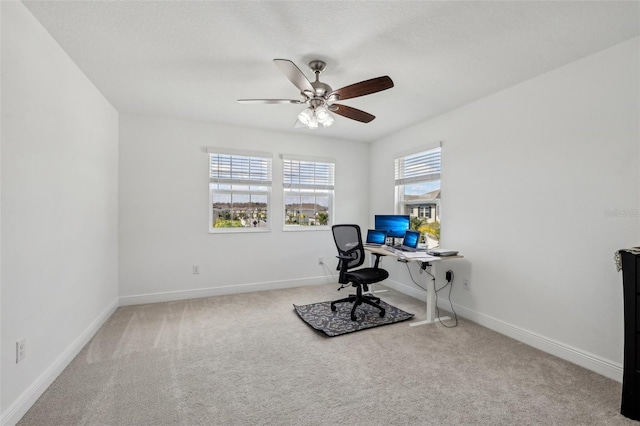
<point x="395" y="224"/>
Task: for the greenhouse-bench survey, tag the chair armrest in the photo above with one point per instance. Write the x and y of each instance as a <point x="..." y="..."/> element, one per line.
<point x="378" y="256"/>
<point x="342" y="267"/>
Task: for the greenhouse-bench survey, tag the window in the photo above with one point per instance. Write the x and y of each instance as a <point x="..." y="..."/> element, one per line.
<point x="308" y="193"/>
<point x="240" y="189"/>
<point x="418" y="192"/>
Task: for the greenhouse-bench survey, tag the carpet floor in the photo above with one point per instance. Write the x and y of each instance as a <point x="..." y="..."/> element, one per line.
<point x="248" y="359"/>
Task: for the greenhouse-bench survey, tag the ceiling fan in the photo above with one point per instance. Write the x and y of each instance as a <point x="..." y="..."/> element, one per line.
<point x="321" y="97"/>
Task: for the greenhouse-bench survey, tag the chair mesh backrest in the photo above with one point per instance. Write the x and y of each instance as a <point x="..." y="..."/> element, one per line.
<point x="349" y="243"/>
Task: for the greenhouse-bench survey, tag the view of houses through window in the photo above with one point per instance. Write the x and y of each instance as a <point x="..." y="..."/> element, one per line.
<point x="306" y="210"/>
<point x="417" y="181"/>
<point x="239" y="210"/>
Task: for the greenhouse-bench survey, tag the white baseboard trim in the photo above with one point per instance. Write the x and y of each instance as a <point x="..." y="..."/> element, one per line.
<point x="20" y="406"/>
<point x="171" y="296"/>
<point x="605" y="367"/>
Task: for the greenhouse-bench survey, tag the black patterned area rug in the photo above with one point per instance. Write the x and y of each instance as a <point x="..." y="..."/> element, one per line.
<point x="320" y="317"/>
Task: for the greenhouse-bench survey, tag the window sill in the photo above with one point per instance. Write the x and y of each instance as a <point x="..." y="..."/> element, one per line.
<point x="238" y="230"/>
<point x="306" y="228"/>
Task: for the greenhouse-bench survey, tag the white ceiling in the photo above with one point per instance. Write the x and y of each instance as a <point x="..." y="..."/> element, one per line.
<point x="193" y="59"/>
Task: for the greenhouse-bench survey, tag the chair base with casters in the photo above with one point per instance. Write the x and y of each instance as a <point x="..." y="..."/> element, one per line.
<point x="351" y="255"/>
<point x="358" y="299"/>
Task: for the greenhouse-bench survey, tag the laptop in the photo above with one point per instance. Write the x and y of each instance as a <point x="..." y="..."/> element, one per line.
<point x="410" y="241"/>
<point x="376" y="238"/>
<point x="442" y="252"/>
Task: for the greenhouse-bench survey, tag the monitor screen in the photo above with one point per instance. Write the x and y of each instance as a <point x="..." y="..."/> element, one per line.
<point x="376" y="236"/>
<point x="411" y="239"/>
<point x="395" y="224"/>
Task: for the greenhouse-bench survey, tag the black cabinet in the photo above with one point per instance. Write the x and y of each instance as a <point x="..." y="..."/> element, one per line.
<point x="631" y="377"/>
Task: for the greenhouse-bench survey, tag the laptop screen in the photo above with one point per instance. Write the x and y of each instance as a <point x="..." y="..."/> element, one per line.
<point x="376" y="236"/>
<point x="411" y="239"/>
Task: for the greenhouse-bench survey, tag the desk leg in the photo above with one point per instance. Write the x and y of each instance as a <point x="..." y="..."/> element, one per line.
<point x="431" y="306"/>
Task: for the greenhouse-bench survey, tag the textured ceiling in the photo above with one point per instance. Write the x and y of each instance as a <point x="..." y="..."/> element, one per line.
<point x="193" y="59"/>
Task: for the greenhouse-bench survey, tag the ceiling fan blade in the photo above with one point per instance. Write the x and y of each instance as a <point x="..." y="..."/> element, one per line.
<point x="352" y="113"/>
<point x="270" y="101"/>
<point x="363" y="88"/>
<point x="294" y="75"/>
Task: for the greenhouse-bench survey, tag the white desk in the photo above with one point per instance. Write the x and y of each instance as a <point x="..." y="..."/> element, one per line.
<point x="419" y="257"/>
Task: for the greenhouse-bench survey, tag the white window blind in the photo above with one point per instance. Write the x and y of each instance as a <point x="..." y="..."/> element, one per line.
<point x="239" y="169"/>
<point x="421" y="167"/>
<point x="304" y="174"/>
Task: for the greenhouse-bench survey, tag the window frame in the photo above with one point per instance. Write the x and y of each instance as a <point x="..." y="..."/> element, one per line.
<point x="420" y="166"/>
<point x="252" y="178"/>
<point x="322" y="186"/>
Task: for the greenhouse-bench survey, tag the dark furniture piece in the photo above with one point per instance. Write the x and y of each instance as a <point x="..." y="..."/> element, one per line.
<point x="631" y="376"/>
<point x="351" y="255"/>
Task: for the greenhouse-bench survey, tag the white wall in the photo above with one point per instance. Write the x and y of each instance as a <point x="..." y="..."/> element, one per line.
<point x="59" y="209"/>
<point x="550" y="157"/>
<point x="164" y="206"/>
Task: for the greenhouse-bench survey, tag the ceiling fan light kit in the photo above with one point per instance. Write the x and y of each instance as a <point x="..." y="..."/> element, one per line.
<point x="321" y="97"/>
<point x="312" y="117"/>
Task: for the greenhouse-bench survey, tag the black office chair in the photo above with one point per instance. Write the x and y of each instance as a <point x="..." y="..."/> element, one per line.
<point x="351" y="255"/>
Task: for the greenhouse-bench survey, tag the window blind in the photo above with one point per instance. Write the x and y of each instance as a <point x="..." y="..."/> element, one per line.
<point x="305" y="174"/>
<point x="239" y="169"/>
<point x="421" y="167"/>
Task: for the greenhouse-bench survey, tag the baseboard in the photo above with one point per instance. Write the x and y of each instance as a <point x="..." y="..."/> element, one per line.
<point x="20" y="406"/>
<point x="607" y="368"/>
<point x="171" y="296"/>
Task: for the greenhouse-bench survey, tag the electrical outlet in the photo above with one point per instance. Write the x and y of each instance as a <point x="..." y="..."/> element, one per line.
<point x="320" y="261"/>
<point x="466" y="285"/>
<point x="21" y="350"/>
<point x="195" y="269"/>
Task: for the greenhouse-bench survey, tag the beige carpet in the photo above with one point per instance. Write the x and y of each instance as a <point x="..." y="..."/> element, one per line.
<point x="250" y="360"/>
